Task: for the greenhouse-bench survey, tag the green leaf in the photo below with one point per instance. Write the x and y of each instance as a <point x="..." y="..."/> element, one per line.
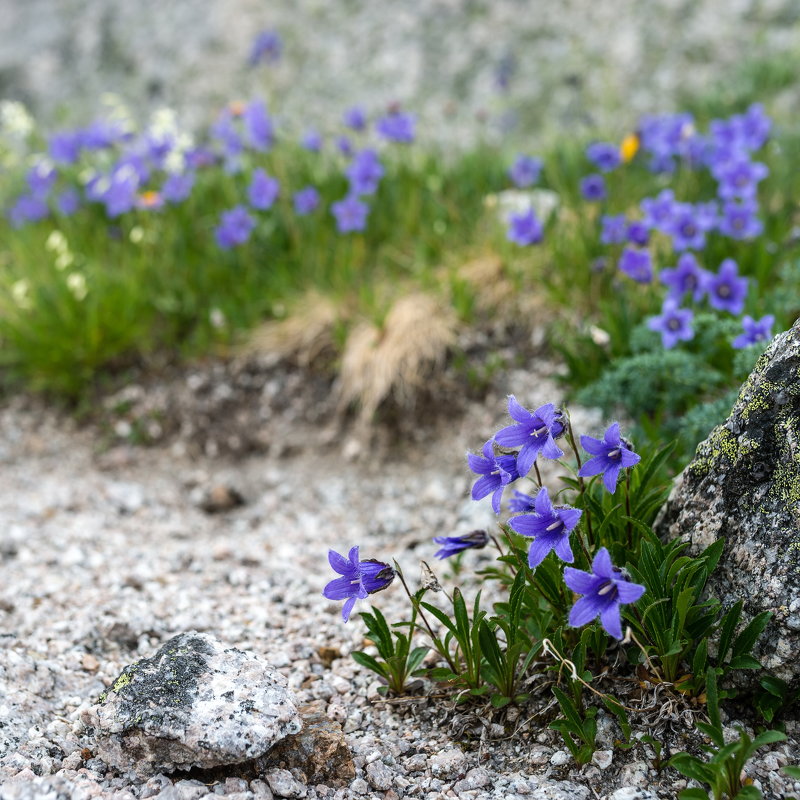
<point x="712" y="703"/>
<point x="700" y="658"/>
<point x="747" y="638"/>
<point x="693" y="794"/>
<point x="727" y="629"/>
<point x="498" y="701"/>
<point x="791" y="771"/>
<point x="744" y="662"/>
<point x="748" y="793"/>
<point x="768" y="737"/>
<point x="568" y="708"/>
<point x="692" y="767"/>
<point x="416" y="657"/>
<point x="366" y="660"/>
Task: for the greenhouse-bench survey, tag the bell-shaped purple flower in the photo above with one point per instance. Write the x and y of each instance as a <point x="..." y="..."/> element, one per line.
<point x="614" y="229"/>
<point x="660" y="210"/>
<point x="450" y="545"/>
<point x="524" y="228"/>
<point x="496" y="472"/>
<point x="604" y="155"/>
<point x="535" y="432"/>
<point x="604" y="590"/>
<point x="739" y="220"/>
<point x="234" y="228"/>
<point x="521" y="503"/>
<point x="525" y="171"/>
<point x="687" y="276"/>
<point x="610" y="454"/>
<point x="674" y="324"/>
<point x="359" y="579"/>
<point x="755" y="331"/>
<point x="351" y="214"/>
<point x="365" y="172"/>
<point x="305" y="201"/>
<point x="593" y="188"/>
<point x="726" y="290"/>
<point x="263" y="190"/>
<point x="550" y="528"/>
<point x="637" y="264"/>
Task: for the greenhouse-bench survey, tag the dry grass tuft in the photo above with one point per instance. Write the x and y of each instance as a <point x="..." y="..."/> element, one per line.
<point x="305" y="335"/>
<point x="395" y="360"/>
<point x="488" y="280"/>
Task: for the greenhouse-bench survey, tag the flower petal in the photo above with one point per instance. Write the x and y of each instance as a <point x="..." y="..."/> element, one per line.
<point x="611" y="435"/>
<point x="479" y="465"/>
<point x="512" y="436"/>
<point x="526" y="457"/>
<point x="579" y="581"/>
<point x="538" y="551"/>
<point x="594" y="466"/>
<point x="610" y="477"/>
<point x="339" y="589"/>
<point x="601" y="565"/>
<point x="563" y="549"/>
<point x="339" y="563"/>
<point x="496" y="498"/>
<point x="569" y="516"/>
<point x="593" y="446"/>
<point x="542" y="503"/>
<point x="483" y="486"/>
<point x="551" y="449"/>
<point x="347" y="608"/>
<point x="610" y="620"/>
<point x="585" y="610"/>
<point x="628" y="458"/>
<point x="629" y="592"/>
<point x="518" y="412"/>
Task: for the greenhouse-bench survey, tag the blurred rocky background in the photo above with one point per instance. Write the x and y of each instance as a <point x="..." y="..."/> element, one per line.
<point x="578" y="63"/>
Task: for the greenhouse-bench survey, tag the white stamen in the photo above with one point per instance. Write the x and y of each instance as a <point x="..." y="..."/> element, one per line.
<point x="553" y="525"/>
<point x="606" y="589"/>
<point x="614" y="453"/>
<point x="539" y="431"/>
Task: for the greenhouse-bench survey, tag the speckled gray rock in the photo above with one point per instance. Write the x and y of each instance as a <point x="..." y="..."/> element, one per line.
<point x="194" y="703"/>
<point x="744" y="485"/>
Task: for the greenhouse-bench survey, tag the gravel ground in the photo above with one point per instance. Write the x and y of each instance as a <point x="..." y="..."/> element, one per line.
<point x="105" y="555"/>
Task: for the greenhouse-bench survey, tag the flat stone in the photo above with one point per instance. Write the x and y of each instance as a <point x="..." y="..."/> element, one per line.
<point x="284" y="784"/>
<point x="379" y="776"/>
<point x="448" y="764"/>
<point x="743" y="485"/>
<point x="194" y="703"/>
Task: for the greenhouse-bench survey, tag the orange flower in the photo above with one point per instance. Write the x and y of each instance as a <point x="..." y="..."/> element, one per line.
<point x="629" y="147"/>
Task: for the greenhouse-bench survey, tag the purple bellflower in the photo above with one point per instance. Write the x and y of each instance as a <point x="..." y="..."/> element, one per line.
<point x="521" y="503"/>
<point x="604" y="155"/>
<point x="306" y="201"/>
<point x="614" y="229"/>
<point x="267" y="47"/>
<point x="235" y="228"/>
<point x="177" y="187"/>
<point x="525" y="171"/>
<point x="535" y="431"/>
<point x="638" y="233"/>
<point x="524" y="228"/>
<point x="659" y="210"/>
<point x="593" y="188"/>
<point x="755" y="331"/>
<point x="64" y="147"/>
<point x="611" y="454"/>
<point x="68" y="202"/>
<point x="726" y="290"/>
<point x="263" y="190"/>
<point x="739" y="220"/>
<point x="674" y="323"/>
<point x="687" y="231"/>
<point x="637" y="264"/>
<point x="312" y="140"/>
<point x="450" y="545"/>
<point x="258" y="126"/>
<point x="28" y="208"/>
<point x="351" y="214"/>
<point x="355" y="118"/>
<point x="604" y="590"/>
<point x="397" y="127"/>
<point x="738" y="179"/>
<point x="550" y="528"/>
<point x="365" y="172"/>
<point x="496" y="472"/>
<point x="344" y="146"/>
<point x="359" y="579"/>
<point x="687" y="276"/>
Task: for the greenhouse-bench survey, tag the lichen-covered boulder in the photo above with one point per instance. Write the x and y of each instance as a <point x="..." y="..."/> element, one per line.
<point x="195" y="703"/>
<point x="744" y="485"/>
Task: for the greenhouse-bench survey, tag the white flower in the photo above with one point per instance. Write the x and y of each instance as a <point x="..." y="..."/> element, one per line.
<point x="76" y="283"/>
<point x="56" y="242"/>
<point x="15" y="119"/>
<point x="20" y="291"/>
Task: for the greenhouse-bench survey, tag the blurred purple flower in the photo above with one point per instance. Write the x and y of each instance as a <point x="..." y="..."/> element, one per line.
<point x="267" y="48"/>
<point x="686" y="229"/>
<point x="311" y="140"/>
<point x="660" y="210"/>
<point x="235" y="228"/>
<point x="355" y="118"/>
<point x="351" y="214"/>
<point x="364" y="172"/>
<point x="638" y="233"/>
<point x="525" y="170"/>
<point x="41" y="178"/>
<point x="739" y="220"/>
<point x="614" y="229"/>
<point x="28" y="208"/>
<point x="524" y="228"/>
<point x="521" y="503"/>
<point x="738" y="179"/>
<point x="344" y="146"/>
<point x="177" y="187"/>
<point x="637" y="264"/>
<point x="397" y="126"/>
<point x="306" y="201"/>
<point x="593" y="187"/>
<point x="65" y="147"/>
<point x="726" y="290"/>
<point x="68" y="202"/>
<point x="755" y="331"/>
<point x="604" y="155"/>
<point x="687" y="276"/>
<point x="674" y="324"/>
<point x="258" y="126"/>
<point x="263" y="190"/>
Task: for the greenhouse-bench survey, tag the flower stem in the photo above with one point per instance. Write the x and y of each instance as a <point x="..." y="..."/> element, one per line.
<point x="628" y="507"/>
<point x="582" y="485"/>
<point x="437" y="642"/>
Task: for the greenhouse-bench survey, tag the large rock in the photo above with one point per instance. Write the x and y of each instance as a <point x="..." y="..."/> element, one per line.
<point x="744" y="485"/>
<point x="194" y="703"/>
